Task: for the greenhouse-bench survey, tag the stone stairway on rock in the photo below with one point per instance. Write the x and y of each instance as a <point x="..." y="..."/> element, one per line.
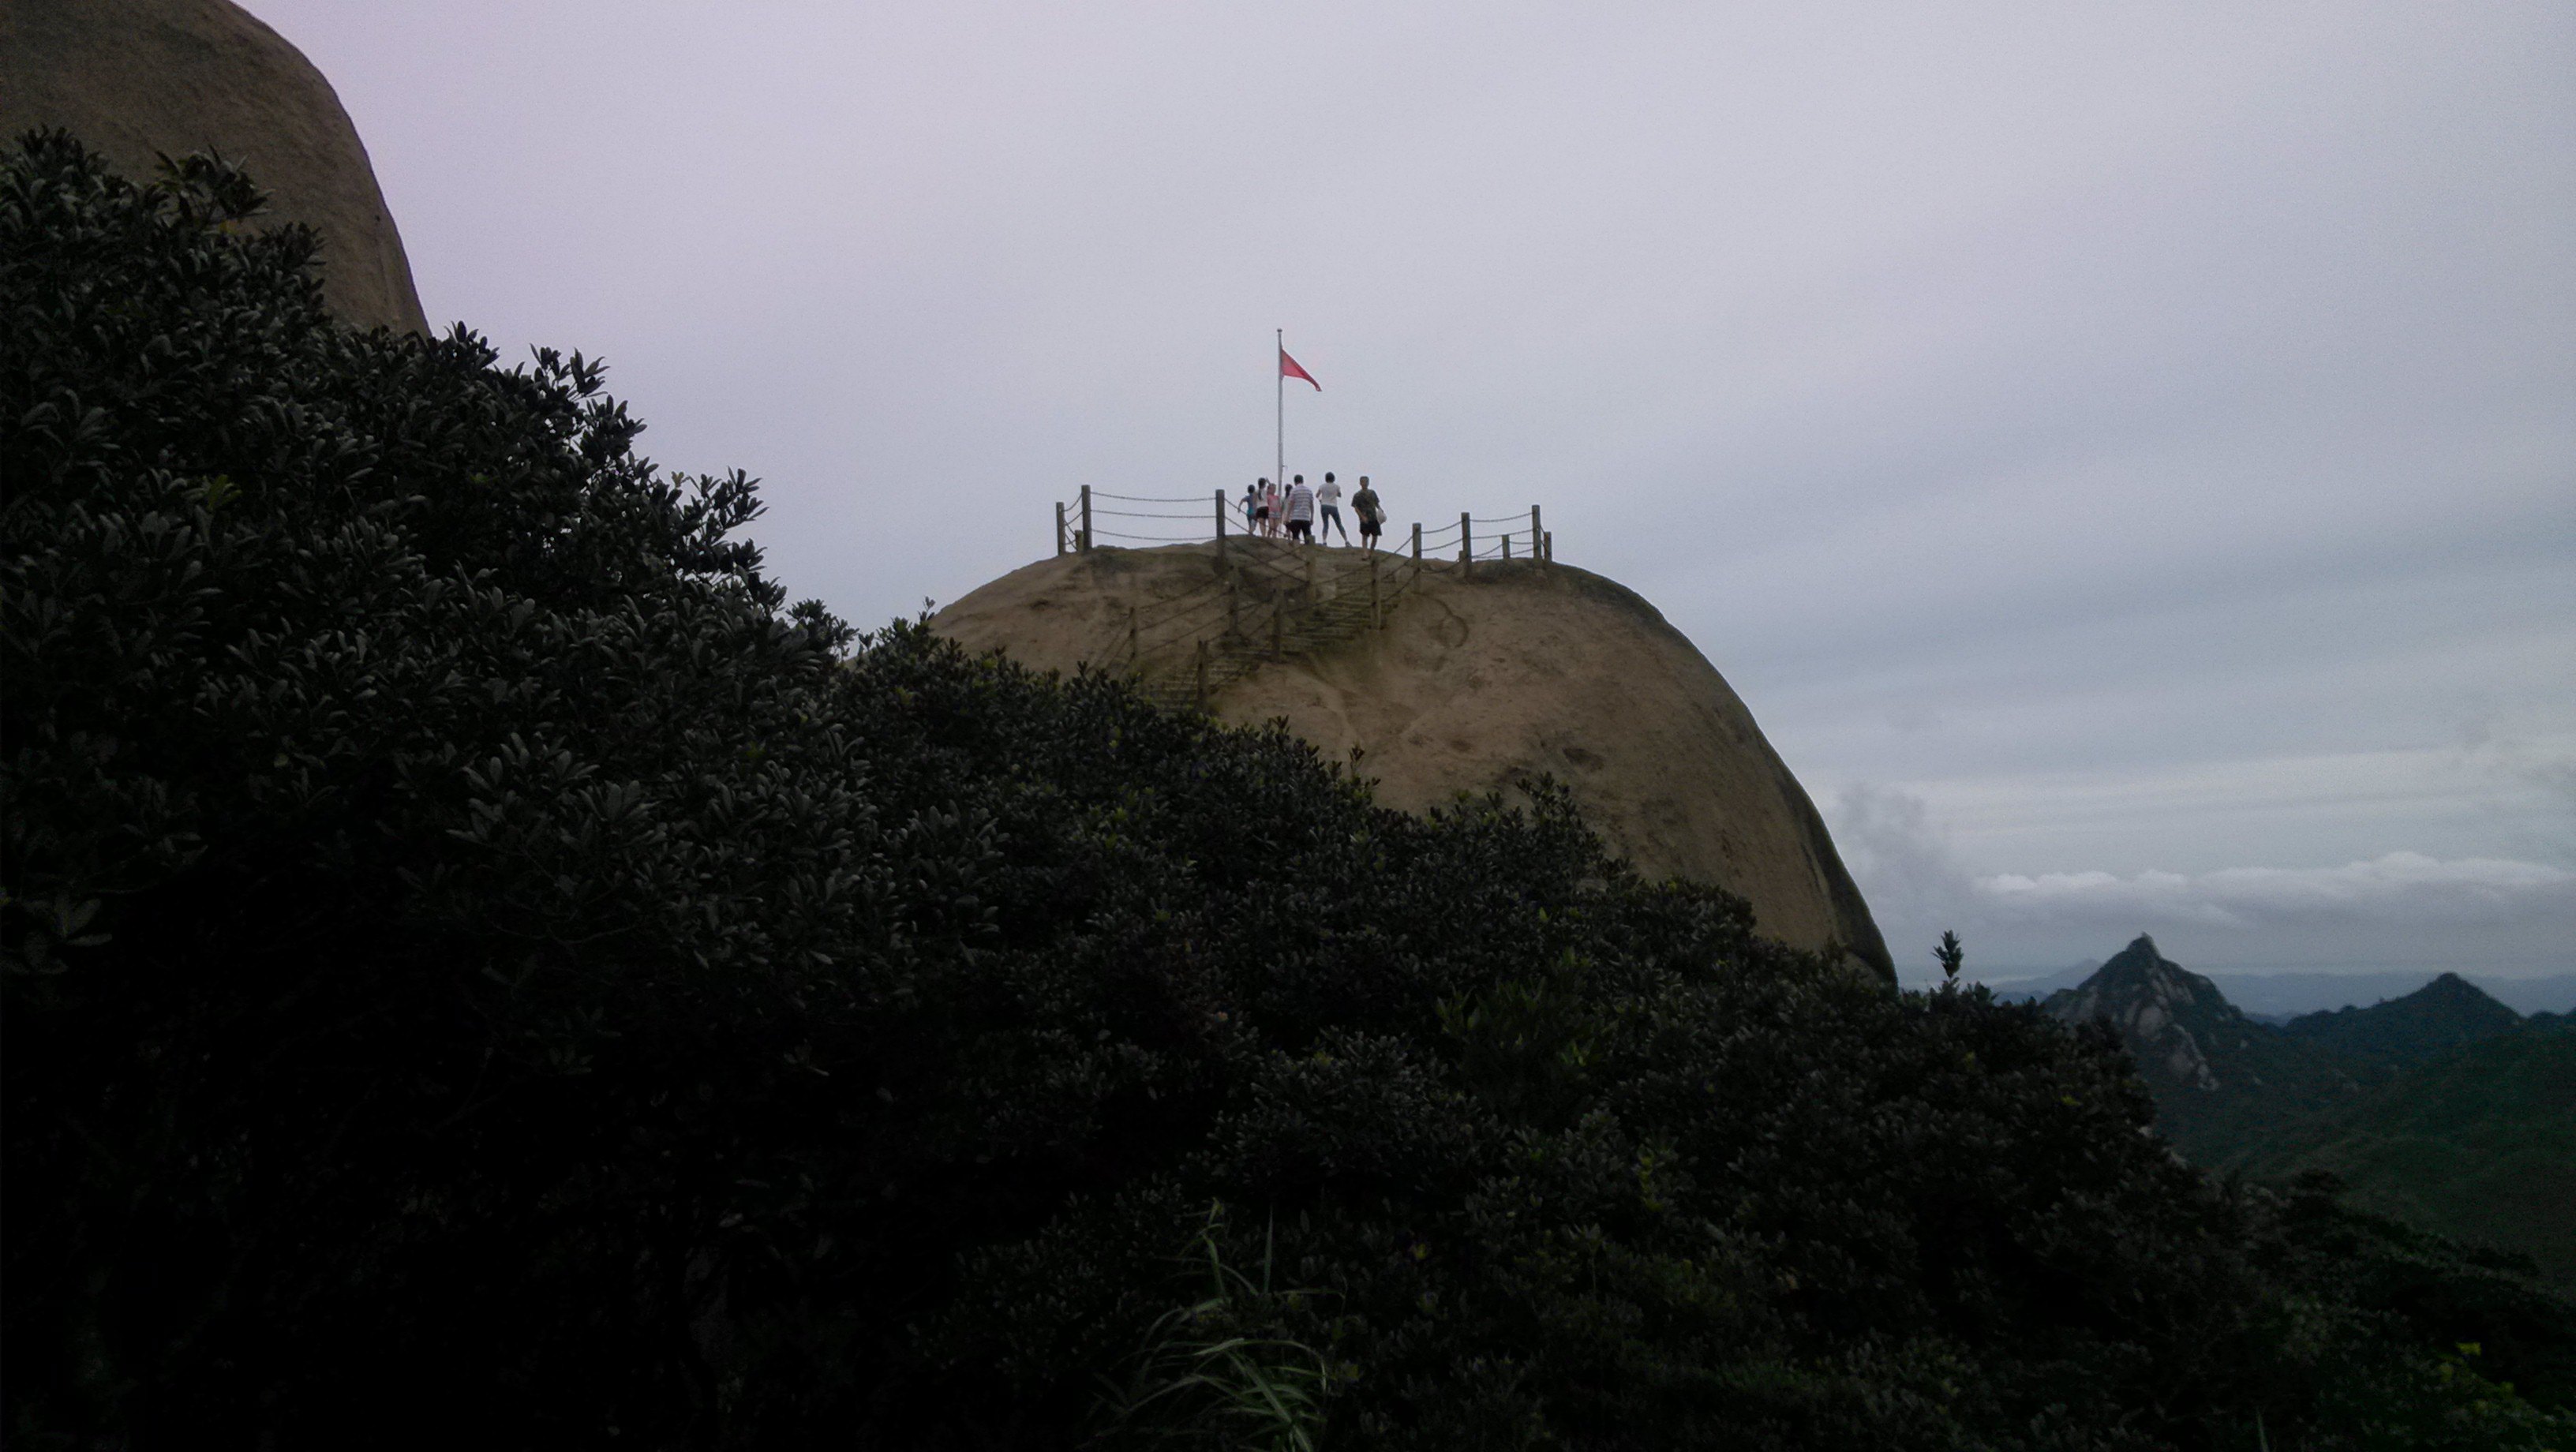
<point x="1301" y="623"/>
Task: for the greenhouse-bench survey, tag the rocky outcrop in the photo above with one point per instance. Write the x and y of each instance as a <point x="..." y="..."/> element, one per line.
<point x="132" y="78"/>
<point x="2163" y="1014"/>
<point x="1483" y="683"/>
<point x="2212" y="1070"/>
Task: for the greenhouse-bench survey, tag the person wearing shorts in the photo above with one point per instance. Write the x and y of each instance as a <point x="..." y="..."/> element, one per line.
<point x="1264" y="508"/>
<point x="1372" y="514"/>
<point x="1252" y="506"/>
<point x="1301" y="511"/>
<point x="1329" y="499"/>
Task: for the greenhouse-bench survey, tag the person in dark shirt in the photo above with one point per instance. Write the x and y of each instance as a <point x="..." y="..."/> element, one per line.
<point x="1372" y="514"/>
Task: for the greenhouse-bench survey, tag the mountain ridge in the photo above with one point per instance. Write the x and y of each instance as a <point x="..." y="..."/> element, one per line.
<point x="2442" y="1107"/>
<point x="2279" y="996"/>
<point x="2445" y="1014"/>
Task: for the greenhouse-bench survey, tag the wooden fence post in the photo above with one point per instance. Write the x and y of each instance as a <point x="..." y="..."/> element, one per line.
<point x="1538" y="538"/>
<point x="1059" y="526"/>
<point x="1417" y="540"/>
<point x="1466" y="544"/>
<point x="1083" y="540"/>
<point x="1220" y="527"/>
<point x="1551" y="547"/>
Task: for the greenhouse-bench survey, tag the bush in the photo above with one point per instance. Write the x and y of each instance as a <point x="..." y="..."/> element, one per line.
<point x="479" y="965"/>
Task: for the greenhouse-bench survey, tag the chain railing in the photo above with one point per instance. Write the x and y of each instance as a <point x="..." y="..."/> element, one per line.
<point x="1098" y="516"/>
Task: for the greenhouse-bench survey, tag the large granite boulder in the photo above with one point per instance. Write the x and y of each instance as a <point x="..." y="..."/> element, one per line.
<point x="131" y="78"/>
<point x="1476" y="684"/>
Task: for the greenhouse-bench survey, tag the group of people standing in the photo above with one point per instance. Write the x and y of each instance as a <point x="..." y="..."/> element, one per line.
<point x="1309" y="516"/>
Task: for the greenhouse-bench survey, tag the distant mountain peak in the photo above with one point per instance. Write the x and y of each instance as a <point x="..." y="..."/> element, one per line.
<point x="2453" y="987"/>
<point x="2205" y="1062"/>
<point x="2173" y="1020"/>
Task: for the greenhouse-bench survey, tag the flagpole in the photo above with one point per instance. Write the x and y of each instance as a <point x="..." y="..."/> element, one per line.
<point x="1279" y="400"/>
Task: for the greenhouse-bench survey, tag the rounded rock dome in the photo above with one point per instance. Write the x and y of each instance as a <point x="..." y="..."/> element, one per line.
<point x="1469" y="684"/>
<point x="131" y="78"/>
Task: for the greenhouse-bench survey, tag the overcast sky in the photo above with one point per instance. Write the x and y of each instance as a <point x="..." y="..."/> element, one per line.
<point x="2125" y="456"/>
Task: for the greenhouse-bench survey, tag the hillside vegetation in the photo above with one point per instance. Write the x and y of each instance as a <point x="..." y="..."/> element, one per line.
<point x="2479" y="1143"/>
<point x="481" y="969"/>
<point x="2442" y="1108"/>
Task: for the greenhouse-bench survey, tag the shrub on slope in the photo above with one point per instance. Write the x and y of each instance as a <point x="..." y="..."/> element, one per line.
<point x="476" y="964"/>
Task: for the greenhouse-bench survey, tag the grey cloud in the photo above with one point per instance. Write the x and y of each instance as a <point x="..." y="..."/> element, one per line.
<point x="1902" y="861"/>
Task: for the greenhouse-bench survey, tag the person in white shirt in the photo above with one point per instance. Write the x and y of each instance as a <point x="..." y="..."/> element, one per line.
<point x="1330" y="497"/>
<point x="1301" y="511"/>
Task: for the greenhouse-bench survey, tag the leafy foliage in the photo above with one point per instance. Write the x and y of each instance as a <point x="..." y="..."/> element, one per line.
<point x="1201" y="1381"/>
<point x="2443" y="1107"/>
<point x="479" y="966"/>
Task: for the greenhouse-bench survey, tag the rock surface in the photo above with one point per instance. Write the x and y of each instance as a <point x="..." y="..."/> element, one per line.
<point x="1485" y="683"/>
<point x="2175" y="1022"/>
<point x="130" y="78"/>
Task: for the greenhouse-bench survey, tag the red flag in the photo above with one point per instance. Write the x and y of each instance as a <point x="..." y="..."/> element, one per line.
<point x="1288" y="368"/>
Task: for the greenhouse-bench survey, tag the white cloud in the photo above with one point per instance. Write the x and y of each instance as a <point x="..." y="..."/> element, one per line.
<point x="2400" y="886"/>
<point x="2493" y="914"/>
